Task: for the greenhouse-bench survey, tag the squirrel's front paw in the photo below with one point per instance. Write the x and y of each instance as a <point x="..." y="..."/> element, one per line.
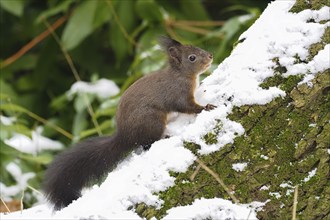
<point x="209" y="107"/>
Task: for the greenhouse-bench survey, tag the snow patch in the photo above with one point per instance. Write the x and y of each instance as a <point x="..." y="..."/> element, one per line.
<point x="264" y="188"/>
<point x="310" y="175"/>
<point x="264" y="157"/>
<point x="102" y="88"/>
<point x="276" y="194"/>
<point x="136" y="180"/>
<point x="319" y="64"/>
<point x="212" y="209"/>
<point x="7" y="120"/>
<point x="239" y="167"/>
<point x="7" y="192"/>
<point x="33" y="145"/>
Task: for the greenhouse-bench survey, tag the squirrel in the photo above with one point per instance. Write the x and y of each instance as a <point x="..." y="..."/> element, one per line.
<point x="141" y="119"/>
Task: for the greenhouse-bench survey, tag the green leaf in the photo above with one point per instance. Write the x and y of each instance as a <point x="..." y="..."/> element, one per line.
<point x="80" y="24"/>
<point x="127" y="21"/>
<point x="59" y="102"/>
<point x="7" y="150"/>
<point x="194" y="10"/>
<point x="40" y="159"/>
<point x="14" y="7"/>
<point x="3" y="96"/>
<point x="82" y="101"/>
<point x="103" y="126"/>
<point x="79" y="123"/>
<point x="62" y="7"/>
<point x="8" y="130"/>
<point x="7" y="92"/>
<point x="149" y="10"/>
<point x="102" y="14"/>
<point x="44" y="158"/>
<point x="86" y="18"/>
<point x="229" y="30"/>
<point x="13" y="108"/>
<point x="105" y="112"/>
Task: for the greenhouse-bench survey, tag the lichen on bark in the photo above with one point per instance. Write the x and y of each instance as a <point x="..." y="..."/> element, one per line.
<point x="284" y="141"/>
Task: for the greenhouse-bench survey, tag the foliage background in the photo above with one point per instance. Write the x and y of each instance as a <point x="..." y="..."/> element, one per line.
<point x="46" y="46"/>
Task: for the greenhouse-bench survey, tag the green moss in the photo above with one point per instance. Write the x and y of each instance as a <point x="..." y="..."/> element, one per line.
<point x="315" y="48"/>
<point x="326" y="36"/>
<point x="278" y="68"/>
<point x="317" y="4"/>
<point x="193" y="147"/>
<point x="283" y="141"/>
<point x="211" y="137"/>
<point x="272" y="81"/>
<point x="281" y="131"/>
<point x="145" y="211"/>
<point x="301" y="5"/>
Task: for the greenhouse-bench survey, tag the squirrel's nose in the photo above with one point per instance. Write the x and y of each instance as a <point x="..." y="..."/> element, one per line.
<point x="210" y="56"/>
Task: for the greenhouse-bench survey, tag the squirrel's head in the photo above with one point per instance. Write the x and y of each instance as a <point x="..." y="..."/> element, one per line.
<point x="186" y="58"/>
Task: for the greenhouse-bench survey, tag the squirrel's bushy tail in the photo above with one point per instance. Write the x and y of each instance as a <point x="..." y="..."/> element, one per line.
<point x="77" y="167"/>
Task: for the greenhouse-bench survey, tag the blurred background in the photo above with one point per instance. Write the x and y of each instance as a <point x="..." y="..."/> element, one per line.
<point x="65" y="63"/>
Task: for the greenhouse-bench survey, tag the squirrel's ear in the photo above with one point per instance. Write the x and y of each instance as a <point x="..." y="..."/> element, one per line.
<point x="166" y="42"/>
<point x="174" y="54"/>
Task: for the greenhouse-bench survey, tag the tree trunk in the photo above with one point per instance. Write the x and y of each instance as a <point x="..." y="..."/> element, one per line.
<point x="285" y="143"/>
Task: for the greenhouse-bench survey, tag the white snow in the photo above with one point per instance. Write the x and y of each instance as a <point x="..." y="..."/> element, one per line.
<point x="290" y="188"/>
<point x="264" y="157"/>
<point x="276" y="194"/>
<point x="236" y="82"/>
<point x="7" y="120"/>
<point x="103" y="88"/>
<point x="33" y="145"/>
<point x="21" y="179"/>
<point x="310" y="175"/>
<point x="286" y="185"/>
<point x="211" y="209"/>
<point x="264" y="188"/>
<point x="239" y="167"/>
<point x="319" y="63"/>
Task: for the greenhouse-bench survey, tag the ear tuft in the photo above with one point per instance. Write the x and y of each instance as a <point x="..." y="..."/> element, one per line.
<point x="166" y="42"/>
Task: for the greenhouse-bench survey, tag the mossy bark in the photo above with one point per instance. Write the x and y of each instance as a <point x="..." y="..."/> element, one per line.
<point x="284" y="141"/>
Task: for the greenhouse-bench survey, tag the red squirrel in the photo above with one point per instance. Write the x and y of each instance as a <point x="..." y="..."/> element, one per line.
<point x="141" y="120"/>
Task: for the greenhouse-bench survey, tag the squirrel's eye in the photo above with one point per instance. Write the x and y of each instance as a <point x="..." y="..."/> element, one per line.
<point x="192" y="58"/>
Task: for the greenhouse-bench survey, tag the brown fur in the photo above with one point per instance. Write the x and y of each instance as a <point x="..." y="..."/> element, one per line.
<point x="141" y="120"/>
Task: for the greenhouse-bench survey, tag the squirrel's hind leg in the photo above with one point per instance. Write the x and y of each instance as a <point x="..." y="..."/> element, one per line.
<point x="152" y="130"/>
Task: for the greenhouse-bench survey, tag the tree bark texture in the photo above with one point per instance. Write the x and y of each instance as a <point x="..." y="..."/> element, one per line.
<point x="284" y="141"/>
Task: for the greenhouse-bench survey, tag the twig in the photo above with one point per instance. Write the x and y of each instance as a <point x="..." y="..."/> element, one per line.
<point x="121" y="27"/>
<point x="22" y="205"/>
<point x="192" y="29"/>
<point x="34" y="189"/>
<point x="3" y="202"/>
<point x="199" y="23"/>
<point x="295" y="202"/>
<point x="75" y="74"/>
<point x="188" y="26"/>
<point x="230" y="193"/>
<point x="32" y="43"/>
<point x="44" y="121"/>
<point x="195" y="172"/>
<point x="170" y="31"/>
